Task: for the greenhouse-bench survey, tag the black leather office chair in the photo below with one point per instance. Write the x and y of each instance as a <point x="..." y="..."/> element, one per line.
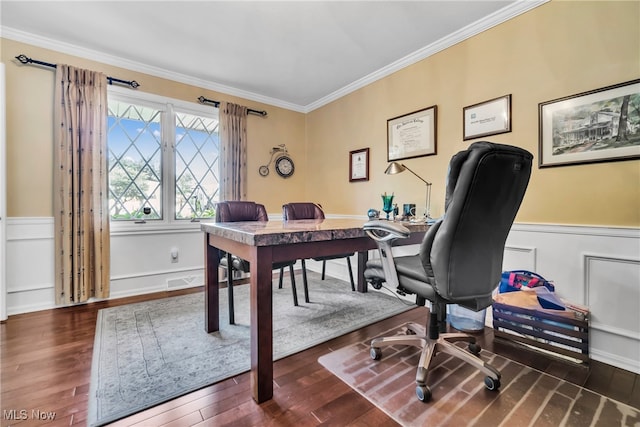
<point x="236" y="211"/>
<point x="308" y="210"/>
<point x="460" y="258"/>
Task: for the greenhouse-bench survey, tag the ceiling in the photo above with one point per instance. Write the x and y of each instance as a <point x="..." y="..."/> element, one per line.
<point x="294" y="54"/>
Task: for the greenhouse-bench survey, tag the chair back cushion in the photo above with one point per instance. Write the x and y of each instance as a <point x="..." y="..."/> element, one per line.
<point x="485" y="187"/>
<point x="302" y="210"/>
<point x="235" y="211"/>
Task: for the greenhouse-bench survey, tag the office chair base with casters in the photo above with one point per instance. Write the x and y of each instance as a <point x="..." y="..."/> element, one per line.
<point x="443" y="343"/>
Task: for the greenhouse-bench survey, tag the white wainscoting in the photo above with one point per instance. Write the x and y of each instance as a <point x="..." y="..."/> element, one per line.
<point x="29" y="273"/>
<point x="595" y="266"/>
<point x="141" y="262"/>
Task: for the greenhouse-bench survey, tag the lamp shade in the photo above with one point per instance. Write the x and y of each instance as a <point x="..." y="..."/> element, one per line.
<point x="394" y="168"/>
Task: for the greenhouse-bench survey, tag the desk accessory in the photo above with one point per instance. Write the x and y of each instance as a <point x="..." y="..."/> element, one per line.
<point x="387" y="203"/>
<point x="409" y="210"/>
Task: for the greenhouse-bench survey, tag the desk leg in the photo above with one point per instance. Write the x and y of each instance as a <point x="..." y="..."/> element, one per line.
<point x="362" y="263"/>
<point x="261" y="324"/>
<point x="211" y="287"/>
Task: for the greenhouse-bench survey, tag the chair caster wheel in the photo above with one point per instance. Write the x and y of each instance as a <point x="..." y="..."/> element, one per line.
<point x="375" y="353"/>
<point x="424" y="393"/>
<point x="491" y="384"/>
<point x="475" y="349"/>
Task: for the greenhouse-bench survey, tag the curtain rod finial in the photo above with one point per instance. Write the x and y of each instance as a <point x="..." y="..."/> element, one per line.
<point x="23" y="58"/>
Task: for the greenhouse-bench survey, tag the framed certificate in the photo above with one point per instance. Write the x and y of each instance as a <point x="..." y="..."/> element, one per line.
<point x="359" y="165"/>
<point x="487" y="118"/>
<point x="412" y="135"/>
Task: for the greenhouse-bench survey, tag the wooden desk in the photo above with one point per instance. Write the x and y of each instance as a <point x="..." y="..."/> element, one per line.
<point x="262" y="244"/>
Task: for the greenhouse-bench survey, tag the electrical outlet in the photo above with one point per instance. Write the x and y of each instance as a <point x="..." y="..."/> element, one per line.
<point x="174" y="255"/>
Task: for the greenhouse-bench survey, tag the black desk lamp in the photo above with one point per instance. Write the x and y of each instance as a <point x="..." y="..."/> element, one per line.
<point x="395" y="167"/>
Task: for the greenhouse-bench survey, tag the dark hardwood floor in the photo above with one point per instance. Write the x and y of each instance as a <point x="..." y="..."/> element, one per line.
<point x="46" y="367"/>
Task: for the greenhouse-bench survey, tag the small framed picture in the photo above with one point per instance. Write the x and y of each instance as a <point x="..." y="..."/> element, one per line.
<point x="487" y="118"/>
<point x="359" y="165"/>
<point x="601" y="125"/>
<point x="412" y="135"/>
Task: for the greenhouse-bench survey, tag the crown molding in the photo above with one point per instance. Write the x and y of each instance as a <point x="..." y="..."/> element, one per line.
<point x="498" y="17"/>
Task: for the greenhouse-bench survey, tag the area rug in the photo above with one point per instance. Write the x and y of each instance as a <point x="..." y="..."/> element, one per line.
<point x="527" y="397"/>
<point x="150" y="352"/>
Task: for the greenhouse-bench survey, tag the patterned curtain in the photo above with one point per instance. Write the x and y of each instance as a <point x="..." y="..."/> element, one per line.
<point x="80" y="201"/>
<point x="233" y="152"/>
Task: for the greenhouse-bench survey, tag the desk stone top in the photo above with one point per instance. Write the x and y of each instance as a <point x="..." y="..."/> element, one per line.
<point x="259" y="233"/>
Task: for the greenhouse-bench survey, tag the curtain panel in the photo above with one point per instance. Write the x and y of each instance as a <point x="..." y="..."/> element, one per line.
<point x="233" y="152"/>
<point x="80" y="202"/>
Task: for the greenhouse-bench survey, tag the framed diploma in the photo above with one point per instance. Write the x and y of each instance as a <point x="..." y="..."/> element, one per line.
<point x="487" y="118"/>
<point x="412" y="135"/>
<point x="359" y="165"/>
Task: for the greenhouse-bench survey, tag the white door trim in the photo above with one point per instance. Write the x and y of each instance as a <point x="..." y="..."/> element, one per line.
<point x="3" y="198"/>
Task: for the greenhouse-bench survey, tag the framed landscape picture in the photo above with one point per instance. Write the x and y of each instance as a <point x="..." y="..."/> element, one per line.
<point x="596" y="126"/>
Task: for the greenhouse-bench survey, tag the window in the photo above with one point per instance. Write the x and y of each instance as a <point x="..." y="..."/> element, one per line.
<point x="163" y="159"/>
<point x="196" y="166"/>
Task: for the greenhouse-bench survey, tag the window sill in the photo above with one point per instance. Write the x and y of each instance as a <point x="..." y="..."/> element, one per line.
<point x="155" y="227"/>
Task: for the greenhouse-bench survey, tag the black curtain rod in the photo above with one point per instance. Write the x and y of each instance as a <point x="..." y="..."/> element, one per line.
<point x="26" y="60"/>
<point x="216" y="104"/>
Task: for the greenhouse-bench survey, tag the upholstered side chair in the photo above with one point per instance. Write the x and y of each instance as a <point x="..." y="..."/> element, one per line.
<point x="236" y="211"/>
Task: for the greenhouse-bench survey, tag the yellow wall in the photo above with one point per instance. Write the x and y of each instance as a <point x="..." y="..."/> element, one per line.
<point x="555" y="50"/>
<point x="30" y="131"/>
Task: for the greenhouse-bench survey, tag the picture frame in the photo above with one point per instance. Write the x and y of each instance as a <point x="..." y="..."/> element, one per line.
<point x="412" y="135"/>
<point x="486" y="118"/>
<point x="359" y="165"/>
<point x="600" y="125"/>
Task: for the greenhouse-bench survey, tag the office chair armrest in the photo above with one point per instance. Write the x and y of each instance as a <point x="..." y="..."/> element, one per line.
<point x="385" y="230"/>
<point x="384" y="233"/>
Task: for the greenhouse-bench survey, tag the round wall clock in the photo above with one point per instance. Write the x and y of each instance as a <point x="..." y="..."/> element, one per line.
<point x="284" y="166"/>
